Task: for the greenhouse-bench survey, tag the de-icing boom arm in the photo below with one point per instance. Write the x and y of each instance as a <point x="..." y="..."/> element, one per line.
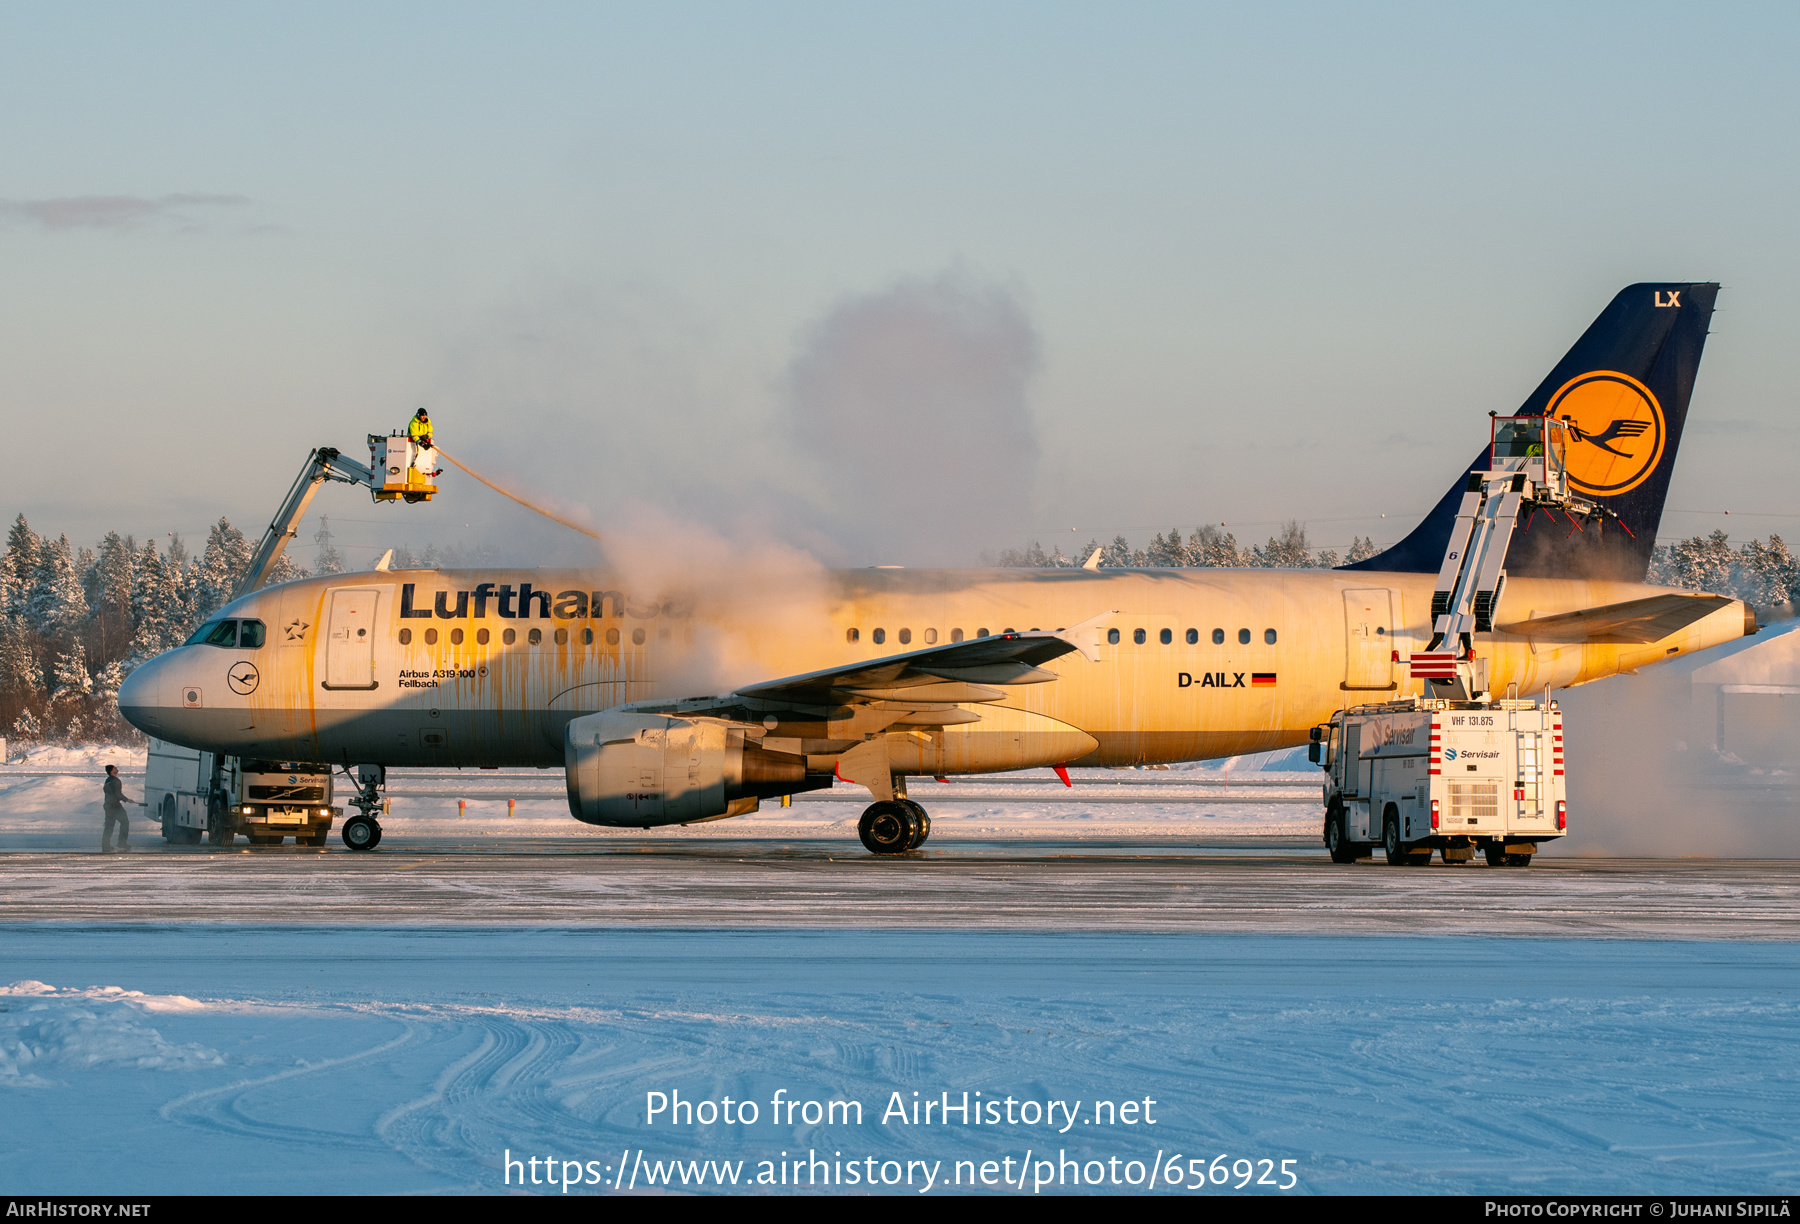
<point x="324" y="463"/>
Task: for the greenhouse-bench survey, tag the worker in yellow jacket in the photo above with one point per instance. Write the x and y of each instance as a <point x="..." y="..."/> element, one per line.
<point x="418" y="432"/>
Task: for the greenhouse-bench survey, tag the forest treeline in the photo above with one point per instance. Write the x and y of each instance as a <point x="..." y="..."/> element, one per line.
<point x="1763" y="573"/>
<point x="74" y="621"/>
<point x="1206" y="546"/>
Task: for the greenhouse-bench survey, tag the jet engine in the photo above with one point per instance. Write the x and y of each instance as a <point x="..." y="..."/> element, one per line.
<point x="637" y="770"/>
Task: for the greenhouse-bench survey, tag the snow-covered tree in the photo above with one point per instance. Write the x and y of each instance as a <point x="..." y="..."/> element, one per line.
<point x="285" y="570"/>
<point x="1031" y="557"/>
<point x="182" y="581"/>
<point x="1361" y="549"/>
<point x="21" y="679"/>
<point x="56" y="604"/>
<point x="1288" y="550"/>
<point x="222" y="566"/>
<point x="327" y="561"/>
<point x="1119" y="554"/>
<point x="70" y="682"/>
<point x="111" y="586"/>
<point x="1168" y="551"/>
<point x="1210" y="547"/>
<point x="18" y="567"/>
<point x="26" y="727"/>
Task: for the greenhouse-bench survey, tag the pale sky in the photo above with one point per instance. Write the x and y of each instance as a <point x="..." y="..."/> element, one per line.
<point x="1107" y="267"/>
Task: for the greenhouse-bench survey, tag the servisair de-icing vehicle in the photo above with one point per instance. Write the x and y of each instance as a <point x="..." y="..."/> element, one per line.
<point x="689" y="702"/>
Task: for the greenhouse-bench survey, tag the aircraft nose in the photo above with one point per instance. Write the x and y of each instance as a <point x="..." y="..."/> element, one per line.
<point x="140" y="698"/>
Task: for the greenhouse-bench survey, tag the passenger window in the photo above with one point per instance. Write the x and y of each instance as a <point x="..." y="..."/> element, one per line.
<point x="1112" y="637"/>
<point x="612" y="637"/>
<point x="456" y="637"/>
<point x="956" y="635"/>
<point x="981" y="633"/>
<point x="1243" y="637"/>
<point x="1137" y="636"/>
<point x="587" y="637"/>
<point x="562" y="637"/>
<point x="850" y="635"/>
<point x="250" y="634"/>
<point x="507" y="636"/>
<point x="1193" y="637"/>
<point x="1269" y="636"/>
<point x="1218" y="637"/>
<point x="906" y="637"/>
<point x="879" y="636"/>
<point x="535" y="636"/>
<point x="637" y="637"/>
<point x="224" y="635"/>
<point x="406" y="637"/>
<point x="1008" y="629"/>
<point x="481" y="636"/>
<point x="431" y="637"/>
<point x="931" y="637"/>
<point x="1167" y="636"/>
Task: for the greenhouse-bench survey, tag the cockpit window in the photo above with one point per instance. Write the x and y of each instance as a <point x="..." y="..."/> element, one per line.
<point x="216" y="633"/>
<point x="250" y="634"/>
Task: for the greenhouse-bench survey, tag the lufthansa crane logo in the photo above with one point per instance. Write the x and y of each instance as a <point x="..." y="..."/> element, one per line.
<point x="242" y="678"/>
<point x="1616" y="431"/>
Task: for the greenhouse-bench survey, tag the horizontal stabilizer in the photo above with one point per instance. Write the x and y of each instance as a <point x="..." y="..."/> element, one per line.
<point x="1634" y="622"/>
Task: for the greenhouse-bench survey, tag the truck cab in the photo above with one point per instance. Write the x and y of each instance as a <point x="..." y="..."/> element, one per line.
<point x="197" y="794"/>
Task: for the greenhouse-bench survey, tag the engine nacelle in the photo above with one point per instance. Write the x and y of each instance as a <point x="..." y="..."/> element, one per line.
<point x="638" y="770"/>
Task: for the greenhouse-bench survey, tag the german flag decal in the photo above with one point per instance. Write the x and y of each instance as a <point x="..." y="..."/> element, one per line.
<point x="1262" y="679"/>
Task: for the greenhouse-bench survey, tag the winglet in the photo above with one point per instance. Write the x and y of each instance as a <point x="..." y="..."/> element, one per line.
<point x="387" y="559"/>
<point x="1085" y="637"/>
<point x="1093" y="562"/>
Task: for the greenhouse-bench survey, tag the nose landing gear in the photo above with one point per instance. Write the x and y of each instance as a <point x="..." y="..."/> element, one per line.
<point x="363" y="831"/>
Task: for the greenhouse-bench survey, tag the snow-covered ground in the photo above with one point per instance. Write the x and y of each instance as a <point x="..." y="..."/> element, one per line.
<point x="50" y="812"/>
<point x="356" y="1061"/>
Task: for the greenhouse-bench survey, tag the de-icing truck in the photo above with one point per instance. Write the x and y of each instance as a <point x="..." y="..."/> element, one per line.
<point x="1453" y="769"/>
<point x="1451" y="776"/>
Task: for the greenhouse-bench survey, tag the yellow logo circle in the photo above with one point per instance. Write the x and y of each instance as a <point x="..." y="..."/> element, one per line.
<point x="1616" y="433"/>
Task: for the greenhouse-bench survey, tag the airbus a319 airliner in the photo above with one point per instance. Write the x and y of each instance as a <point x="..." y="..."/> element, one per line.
<point x="879" y="674"/>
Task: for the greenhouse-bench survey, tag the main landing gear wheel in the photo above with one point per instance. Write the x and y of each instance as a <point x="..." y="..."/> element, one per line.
<point x="921" y="821"/>
<point x="887" y="827"/>
<point x="362" y="833"/>
<point x="1336" y="839"/>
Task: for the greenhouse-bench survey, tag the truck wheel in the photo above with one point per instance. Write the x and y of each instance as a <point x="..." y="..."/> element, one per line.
<point x="170" y="830"/>
<point x="1497" y="856"/>
<point x="1397" y="854"/>
<point x="219" y="829"/>
<point x="1336" y="839"/>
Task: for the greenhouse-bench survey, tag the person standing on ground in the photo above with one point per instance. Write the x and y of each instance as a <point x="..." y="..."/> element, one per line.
<point x="115" y="811"/>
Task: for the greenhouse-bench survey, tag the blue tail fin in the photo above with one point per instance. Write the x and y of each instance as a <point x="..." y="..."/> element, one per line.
<point x="1625" y="385"/>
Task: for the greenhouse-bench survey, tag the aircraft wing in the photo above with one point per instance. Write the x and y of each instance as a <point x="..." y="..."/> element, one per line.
<point x="1636" y="621"/>
<point x="854" y="699"/>
<point x="937" y="673"/>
